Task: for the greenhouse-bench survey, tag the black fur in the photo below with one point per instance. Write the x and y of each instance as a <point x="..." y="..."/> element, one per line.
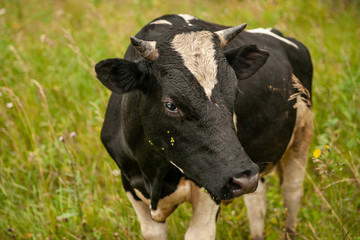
<point x="246" y="59"/>
<point x="137" y="131"/>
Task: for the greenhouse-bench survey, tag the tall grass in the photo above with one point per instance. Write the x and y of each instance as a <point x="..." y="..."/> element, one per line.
<point x="56" y="180"/>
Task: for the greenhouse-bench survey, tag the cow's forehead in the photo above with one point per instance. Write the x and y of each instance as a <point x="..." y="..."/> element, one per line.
<point x="197" y="50"/>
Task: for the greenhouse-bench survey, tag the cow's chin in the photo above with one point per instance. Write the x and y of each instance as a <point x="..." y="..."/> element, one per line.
<point x="229" y="193"/>
<point x="227" y="196"/>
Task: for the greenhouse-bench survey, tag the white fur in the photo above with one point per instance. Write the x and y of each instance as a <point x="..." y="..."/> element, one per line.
<point x="268" y="32"/>
<point x="187" y="18"/>
<point x="177" y="167"/>
<point x="256" y="209"/>
<point x="235" y="121"/>
<point x="150" y="229"/>
<point x="162" y="21"/>
<point x="198" y="53"/>
<point x="203" y="222"/>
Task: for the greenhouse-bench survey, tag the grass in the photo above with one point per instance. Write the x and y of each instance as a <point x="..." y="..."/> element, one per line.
<point x="56" y="179"/>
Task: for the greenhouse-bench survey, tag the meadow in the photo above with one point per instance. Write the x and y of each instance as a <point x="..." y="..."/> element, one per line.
<point x="58" y="182"/>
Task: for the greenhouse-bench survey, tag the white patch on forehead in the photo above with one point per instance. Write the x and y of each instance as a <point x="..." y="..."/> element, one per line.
<point x="268" y="32"/>
<point x="198" y="53"/>
<point x="162" y="21"/>
<point x="187" y="18"/>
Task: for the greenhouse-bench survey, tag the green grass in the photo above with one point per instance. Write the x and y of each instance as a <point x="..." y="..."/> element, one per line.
<point x="52" y="189"/>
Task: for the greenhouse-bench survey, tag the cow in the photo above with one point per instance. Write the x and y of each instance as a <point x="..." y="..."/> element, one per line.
<point x="199" y="113"/>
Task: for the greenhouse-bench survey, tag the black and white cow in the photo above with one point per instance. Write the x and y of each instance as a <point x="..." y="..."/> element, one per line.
<point x="197" y="106"/>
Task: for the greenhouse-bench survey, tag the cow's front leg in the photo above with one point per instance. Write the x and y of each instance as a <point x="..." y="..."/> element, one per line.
<point x="203" y="223"/>
<point x="150" y="229"/>
<point x="256" y="209"/>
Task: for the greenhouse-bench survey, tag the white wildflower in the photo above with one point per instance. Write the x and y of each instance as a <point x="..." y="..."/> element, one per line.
<point x="2" y="11"/>
<point x="115" y="172"/>
<point x="43" y="37"/>
<point x="9" y="105"/>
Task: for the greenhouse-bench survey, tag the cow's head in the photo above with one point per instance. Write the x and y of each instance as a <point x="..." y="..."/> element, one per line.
<point x="189" y="87"/>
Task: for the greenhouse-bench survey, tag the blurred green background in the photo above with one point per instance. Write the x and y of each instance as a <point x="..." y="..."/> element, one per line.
<point x="58" y="182"/>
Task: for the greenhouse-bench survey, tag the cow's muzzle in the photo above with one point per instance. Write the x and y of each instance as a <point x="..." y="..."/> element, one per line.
<point x="246" y="183"/>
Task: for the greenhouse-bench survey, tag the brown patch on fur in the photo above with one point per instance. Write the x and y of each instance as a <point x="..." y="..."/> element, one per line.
<point x="301" y="91"/>
<point x="291" y="168"/>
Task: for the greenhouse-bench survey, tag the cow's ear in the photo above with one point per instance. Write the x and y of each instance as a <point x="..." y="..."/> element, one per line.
<point x="246" y="60"/>
<point x="120" y="75"/>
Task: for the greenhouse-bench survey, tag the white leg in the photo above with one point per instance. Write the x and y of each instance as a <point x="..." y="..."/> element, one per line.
<point x="256" y="209"/>
<point x="291" y="169"/>
<point x="150" y="229"/>
<point x="292" y="177"/>
<point x="203" y="222"/>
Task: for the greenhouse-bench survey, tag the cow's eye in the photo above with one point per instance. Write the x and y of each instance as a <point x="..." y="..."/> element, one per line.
<point x="171" y="107"/>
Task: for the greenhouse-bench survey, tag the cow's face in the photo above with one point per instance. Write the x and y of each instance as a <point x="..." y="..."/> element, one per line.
<point x="189" y="89"/>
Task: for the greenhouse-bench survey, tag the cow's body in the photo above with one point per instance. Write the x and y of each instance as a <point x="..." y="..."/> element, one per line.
<point x="267" y="125"/>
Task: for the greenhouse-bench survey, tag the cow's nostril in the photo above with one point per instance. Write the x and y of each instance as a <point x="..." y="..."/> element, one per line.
<point x="244" y="184"/>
